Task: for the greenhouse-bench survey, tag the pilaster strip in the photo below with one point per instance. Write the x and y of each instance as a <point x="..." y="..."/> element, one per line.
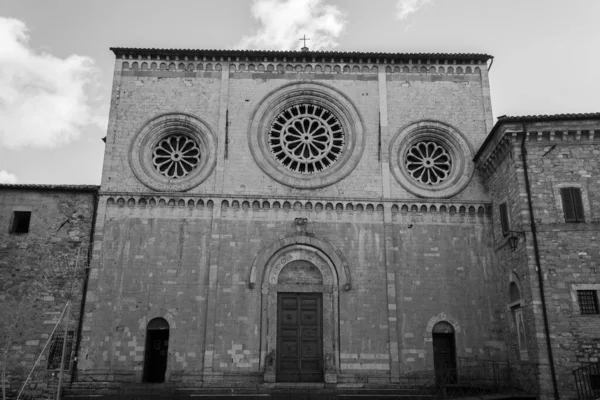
<point x="487" y="100"/>
<point x="213" y="293"/>
<point x="383" y="121"/>
<point x="391" y="296"/>
<point x="223" y="105"/>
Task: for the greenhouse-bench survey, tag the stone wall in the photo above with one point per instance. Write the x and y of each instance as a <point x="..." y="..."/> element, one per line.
<point x="226" y="101"/>
<point x="559" y="154"/>
<point x="570" y="252"/>
<point x="39" y="271"/>
<point x="201" y="268"/>
<point x="206" y="256"/>
<point x="516" y="266"/>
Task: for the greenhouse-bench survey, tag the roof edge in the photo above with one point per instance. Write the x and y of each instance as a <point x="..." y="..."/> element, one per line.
<point x="119" y="51"/>
<point x="507" y="119"/>
<point x="72" y="188"/>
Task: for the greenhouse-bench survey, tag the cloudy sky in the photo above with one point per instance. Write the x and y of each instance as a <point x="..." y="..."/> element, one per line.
<point x="56" y="69"/>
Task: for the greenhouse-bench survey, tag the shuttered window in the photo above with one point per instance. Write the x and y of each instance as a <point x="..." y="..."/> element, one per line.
<point x="572" y="204"/>
<point x="504" y="218"/>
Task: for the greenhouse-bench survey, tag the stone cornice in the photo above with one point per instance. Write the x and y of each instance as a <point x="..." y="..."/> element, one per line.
<point x="134" y="61"/>
<point x="503" y="138"/>
<point x="309" y="56"/>
<point x="210" y="68"/>
<point x="478" y="209"/>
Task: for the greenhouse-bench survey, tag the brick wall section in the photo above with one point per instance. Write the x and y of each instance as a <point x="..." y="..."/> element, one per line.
<point x="559" y="154"/>
<point x="570" y="252"/>
<point x="36" y="273"/>
<point x="506" y="185"/>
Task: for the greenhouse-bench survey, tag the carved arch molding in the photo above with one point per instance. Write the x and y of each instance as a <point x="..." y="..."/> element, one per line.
<point x="332" y="268"/>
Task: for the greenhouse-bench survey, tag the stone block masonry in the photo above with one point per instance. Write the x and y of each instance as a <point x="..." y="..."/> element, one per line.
<point x="560" y="154"/>
<point x="39" y="271"/>
<point x="213" y="259"/>
<point x="166" y="255"/>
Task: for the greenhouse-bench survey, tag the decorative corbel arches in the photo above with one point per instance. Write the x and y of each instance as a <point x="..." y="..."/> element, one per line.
<point x="329" y="272"/>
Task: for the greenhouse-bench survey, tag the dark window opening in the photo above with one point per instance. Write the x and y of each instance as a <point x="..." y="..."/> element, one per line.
<point x="56" y="350"/>
<point x="21" y="221"/>
<point x="504" y="219"/>
<point x="515" y="295"/>
<point x="588" y="301"/>
<point x="572" y="204"/>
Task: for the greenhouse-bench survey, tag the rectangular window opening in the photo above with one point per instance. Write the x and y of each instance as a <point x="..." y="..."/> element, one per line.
<point x="588" y="301"/>
<point x="504" y="221"/>
<point x="56" y="350"/>
<point x="572" y="204"/>
<point x="21" y="222"/>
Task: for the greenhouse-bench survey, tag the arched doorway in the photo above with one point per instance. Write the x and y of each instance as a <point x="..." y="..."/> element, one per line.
<point x="157" y="346"/>
<point x="299" y="325"/>
<point x="300" y="315"/>
<point x="444" y="353"/>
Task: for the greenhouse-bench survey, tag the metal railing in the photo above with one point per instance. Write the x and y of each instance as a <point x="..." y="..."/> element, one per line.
<point x="472" y="376"/>
<point x="587" y="381"/>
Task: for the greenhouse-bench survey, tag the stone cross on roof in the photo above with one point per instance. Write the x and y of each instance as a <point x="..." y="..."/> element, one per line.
<point x="304" y="48"/>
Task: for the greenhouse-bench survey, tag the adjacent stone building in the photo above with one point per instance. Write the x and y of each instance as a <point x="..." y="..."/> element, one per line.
<point x="44" y="243"/>
<point x="543" y="170"/>
<point x="336" y="220"/>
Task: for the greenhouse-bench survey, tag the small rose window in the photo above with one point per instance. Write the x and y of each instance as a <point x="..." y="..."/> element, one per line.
<point x="176" y="156"/>
<point x="428" y="162"/>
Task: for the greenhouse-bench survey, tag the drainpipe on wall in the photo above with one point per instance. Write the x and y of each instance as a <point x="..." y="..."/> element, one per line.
<point x="85" y="287"/>
<point x="538" y="266"/>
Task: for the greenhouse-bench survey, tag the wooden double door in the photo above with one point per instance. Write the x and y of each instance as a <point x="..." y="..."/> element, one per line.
<point x="299" y="337"/>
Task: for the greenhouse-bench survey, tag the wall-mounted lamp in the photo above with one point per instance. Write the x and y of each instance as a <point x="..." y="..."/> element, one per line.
<point x="513" y="238"/>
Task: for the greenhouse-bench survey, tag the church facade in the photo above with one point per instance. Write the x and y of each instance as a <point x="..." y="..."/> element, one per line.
<point x="305" y="218"/>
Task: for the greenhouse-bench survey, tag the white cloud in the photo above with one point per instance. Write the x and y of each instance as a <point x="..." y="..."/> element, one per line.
<point x="284" y="22"/>
<point x="6" y="177"/>
<point x="406" y="7"/>
<point x="44" y="99"/>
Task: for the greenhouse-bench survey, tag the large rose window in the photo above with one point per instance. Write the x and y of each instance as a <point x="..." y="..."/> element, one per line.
<point x="306" y="135"/>
<point x="306" y="138"/>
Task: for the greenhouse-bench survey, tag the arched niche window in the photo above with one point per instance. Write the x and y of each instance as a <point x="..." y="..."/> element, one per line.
<point x="515" y="294"/>
<point x="156" y="351"/>
<point x="444" y="353"/>
<point x="518" y="321"/>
